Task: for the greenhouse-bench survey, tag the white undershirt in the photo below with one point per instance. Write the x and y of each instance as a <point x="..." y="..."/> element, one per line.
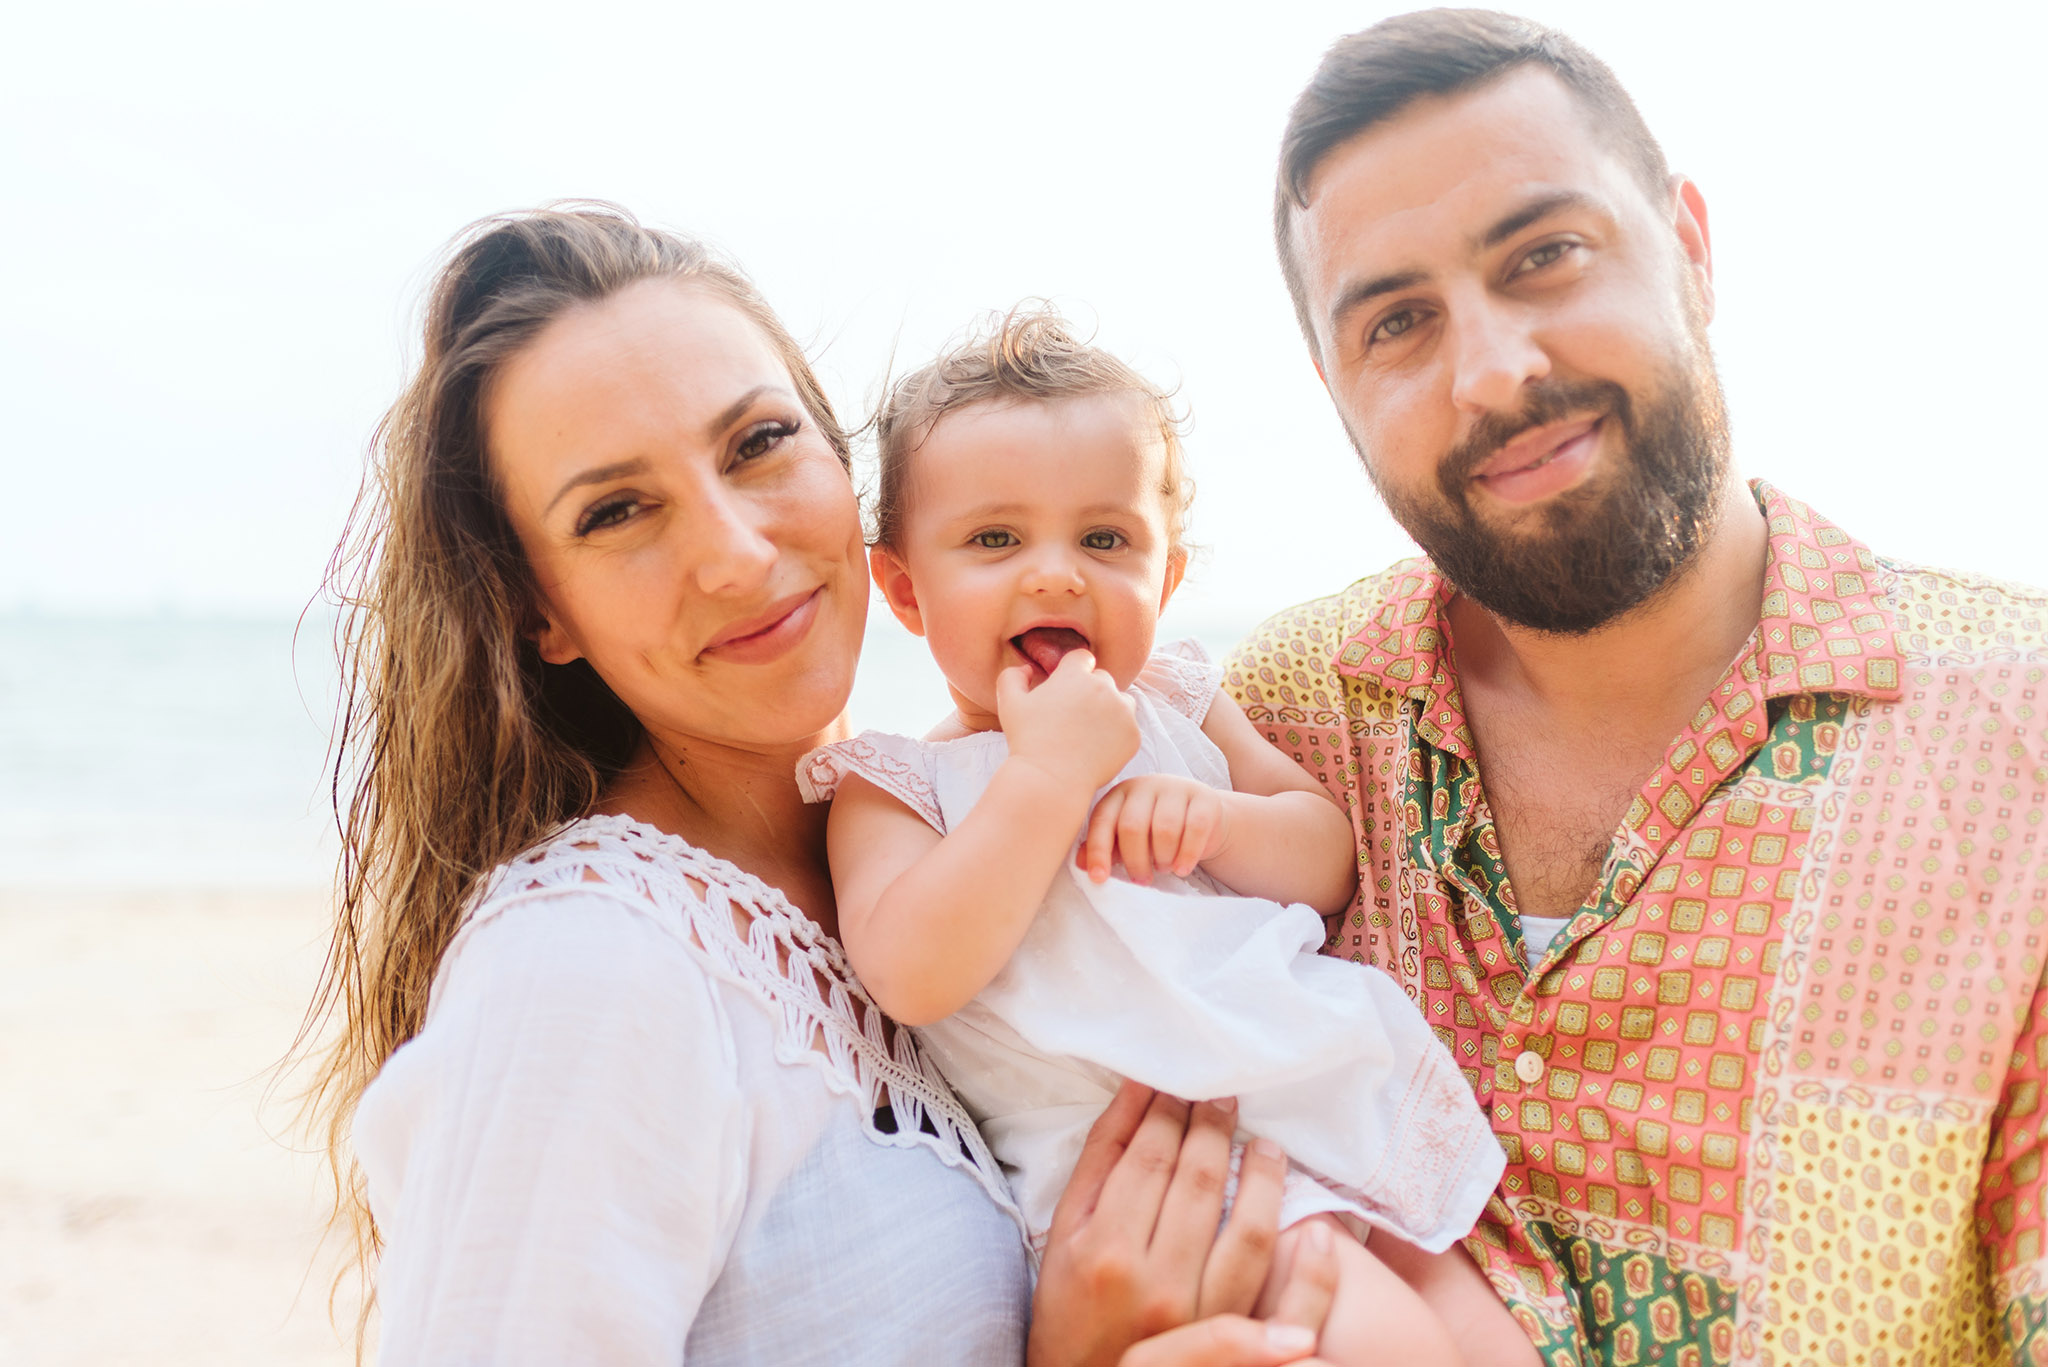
<point x="1537" y="933"/>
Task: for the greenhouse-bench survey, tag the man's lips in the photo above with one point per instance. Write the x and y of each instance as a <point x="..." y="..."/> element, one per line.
<point x="1535" y="448"/>
<point x="783" y="617"/>
<point x="1047" y="646"/>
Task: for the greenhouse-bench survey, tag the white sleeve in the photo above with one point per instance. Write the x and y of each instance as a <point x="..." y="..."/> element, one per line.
<point x="559" y="1163"/>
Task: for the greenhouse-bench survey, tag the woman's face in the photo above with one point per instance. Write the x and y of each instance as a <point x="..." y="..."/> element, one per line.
<point x="692" y="533"/>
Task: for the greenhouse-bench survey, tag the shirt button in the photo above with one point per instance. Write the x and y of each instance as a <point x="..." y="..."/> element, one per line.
<point x="1529" y="1066"/>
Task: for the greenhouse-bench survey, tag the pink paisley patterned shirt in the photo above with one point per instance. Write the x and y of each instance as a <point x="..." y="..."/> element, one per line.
<point x="1773" y="1094"/>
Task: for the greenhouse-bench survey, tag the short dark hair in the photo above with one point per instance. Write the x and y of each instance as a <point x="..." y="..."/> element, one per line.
<point x="1371" y="76"/>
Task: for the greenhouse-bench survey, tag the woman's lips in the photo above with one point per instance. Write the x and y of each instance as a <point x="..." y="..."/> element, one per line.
<point x="767" y="635"/>
<point x="1541" y="463"/>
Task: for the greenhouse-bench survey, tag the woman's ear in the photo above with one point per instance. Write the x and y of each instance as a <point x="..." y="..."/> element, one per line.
<point x="551" y="641"/>
<point x="892" y="577"/>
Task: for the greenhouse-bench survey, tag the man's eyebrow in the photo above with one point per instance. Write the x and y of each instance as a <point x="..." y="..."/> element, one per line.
<point x="1535" y="211"/>
<point x="1365" y="291"/>
<point x="596" y="474"/>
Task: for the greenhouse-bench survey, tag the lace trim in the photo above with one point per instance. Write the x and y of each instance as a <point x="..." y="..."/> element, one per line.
<point x="1184" y="678"/>
<point x="785" y="961"/>
<point x="819" y="774"/>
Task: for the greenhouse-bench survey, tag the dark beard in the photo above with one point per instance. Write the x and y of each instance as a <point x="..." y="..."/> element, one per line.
<point x="1604" y="547"/>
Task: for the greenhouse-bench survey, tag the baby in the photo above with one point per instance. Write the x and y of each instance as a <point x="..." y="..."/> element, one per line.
<point x="1032" y="503"/>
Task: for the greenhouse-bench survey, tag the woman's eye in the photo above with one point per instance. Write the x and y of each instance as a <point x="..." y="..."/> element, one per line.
<point x="606" y="513"/>
<point x="765" y="437"/>
<point x="993" y="540"/>
<point x="1102" y="541"/>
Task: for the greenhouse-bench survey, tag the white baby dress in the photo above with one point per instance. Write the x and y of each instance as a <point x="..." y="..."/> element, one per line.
<point x="1195" y="991"/>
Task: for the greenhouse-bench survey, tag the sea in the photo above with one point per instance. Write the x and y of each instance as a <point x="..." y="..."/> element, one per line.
<point x="186" y="750"/>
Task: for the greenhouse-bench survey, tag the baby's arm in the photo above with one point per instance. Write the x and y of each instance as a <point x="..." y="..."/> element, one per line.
<point x="1278" y="834"/>
<point x="929" y="920"/>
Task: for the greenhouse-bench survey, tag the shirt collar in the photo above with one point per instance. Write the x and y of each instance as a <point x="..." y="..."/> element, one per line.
<point x="1824" y="626"/>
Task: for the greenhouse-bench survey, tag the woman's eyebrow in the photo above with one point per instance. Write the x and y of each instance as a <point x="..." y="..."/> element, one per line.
<point x="735" y="410"/>
<point x="596" y="474"/>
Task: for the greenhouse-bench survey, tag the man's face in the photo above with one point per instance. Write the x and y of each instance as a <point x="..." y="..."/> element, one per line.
<point x="1514" y="335"/>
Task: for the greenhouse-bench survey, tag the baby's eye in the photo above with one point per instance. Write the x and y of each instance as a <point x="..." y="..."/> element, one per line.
<point x="1102" y="540"/>
<point x="993" y="540"/>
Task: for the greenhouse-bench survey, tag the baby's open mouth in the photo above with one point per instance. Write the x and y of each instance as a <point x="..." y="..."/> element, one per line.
<point x="1047" y="646"/>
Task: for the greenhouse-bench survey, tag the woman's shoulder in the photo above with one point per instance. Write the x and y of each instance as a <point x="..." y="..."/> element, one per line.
<point x="610" y="903"/>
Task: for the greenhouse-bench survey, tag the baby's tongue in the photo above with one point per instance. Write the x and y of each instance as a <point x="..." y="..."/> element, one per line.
<point x="1047" y="646"/>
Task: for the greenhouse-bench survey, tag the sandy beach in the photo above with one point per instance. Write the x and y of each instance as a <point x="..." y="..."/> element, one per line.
<point x="150" y="1209"/>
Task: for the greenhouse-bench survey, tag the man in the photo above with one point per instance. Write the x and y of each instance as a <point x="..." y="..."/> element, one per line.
<point x="1711" y="843"/>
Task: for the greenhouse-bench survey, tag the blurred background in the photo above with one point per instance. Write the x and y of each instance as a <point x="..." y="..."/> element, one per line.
<point x="220" y="218"/>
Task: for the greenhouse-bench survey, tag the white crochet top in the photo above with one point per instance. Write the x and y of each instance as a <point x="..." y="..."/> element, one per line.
<point x="632" y="1132"/>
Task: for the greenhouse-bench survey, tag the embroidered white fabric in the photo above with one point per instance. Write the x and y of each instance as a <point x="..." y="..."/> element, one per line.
<point x="630" y="1132"/>
<point x="1192" y="989"/>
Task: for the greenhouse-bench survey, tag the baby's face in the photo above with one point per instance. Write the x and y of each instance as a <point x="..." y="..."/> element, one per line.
<point x="1034" y="527"/>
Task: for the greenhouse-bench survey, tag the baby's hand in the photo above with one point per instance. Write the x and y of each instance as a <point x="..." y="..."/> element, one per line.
<point x="1076" y="725"/>
<point x="1153" y="822"/>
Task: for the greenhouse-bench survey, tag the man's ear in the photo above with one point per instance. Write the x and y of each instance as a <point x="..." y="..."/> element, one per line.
<point x="1689" y="219"/>
<point x="1176" y="570"/>
<point x="892" y="577"/>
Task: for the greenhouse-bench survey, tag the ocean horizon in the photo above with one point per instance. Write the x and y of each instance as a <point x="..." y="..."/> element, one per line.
<point x="175" y="749"/>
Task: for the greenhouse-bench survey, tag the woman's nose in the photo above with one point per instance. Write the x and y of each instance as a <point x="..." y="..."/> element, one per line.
<point x="729" y="551"/>
<point x="1493" y="355"/>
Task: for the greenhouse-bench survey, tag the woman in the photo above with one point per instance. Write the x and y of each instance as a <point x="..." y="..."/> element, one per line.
<point x="607" y="586"/>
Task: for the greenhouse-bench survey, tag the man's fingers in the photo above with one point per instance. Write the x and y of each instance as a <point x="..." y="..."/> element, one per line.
<point x="1242" y="1259"/>
<point x="1224" y="1341"/>
<point x="1107" y="1139"/>
<point x="1311" y="1283"/>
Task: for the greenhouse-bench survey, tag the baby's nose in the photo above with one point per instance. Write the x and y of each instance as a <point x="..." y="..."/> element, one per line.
<point x="1053" y="571"/>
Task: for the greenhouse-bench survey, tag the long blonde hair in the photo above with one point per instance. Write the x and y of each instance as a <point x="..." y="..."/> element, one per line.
<point x="456" y="746"/>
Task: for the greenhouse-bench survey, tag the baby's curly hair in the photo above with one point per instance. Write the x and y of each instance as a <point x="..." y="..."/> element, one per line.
<point x="1027" y="353"/>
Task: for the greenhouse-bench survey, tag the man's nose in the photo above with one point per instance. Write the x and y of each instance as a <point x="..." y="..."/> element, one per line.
<point x="729" y="551"/>
<point x="1052" y="569"/>
<point x="1493" y="354"/>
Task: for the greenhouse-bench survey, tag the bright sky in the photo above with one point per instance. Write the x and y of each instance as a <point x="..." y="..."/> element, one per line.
<point x="220" y="218"/>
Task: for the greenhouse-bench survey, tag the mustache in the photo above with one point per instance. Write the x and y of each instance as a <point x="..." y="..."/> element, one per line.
<point x="1544" y="403"/>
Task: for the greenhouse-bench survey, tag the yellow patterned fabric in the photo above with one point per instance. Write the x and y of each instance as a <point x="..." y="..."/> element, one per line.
<point x="1773" y="1095"/>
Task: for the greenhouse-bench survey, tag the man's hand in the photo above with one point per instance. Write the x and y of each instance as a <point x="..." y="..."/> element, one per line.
<point x="1154" y="822"/>
<point x="1076" y="726"/>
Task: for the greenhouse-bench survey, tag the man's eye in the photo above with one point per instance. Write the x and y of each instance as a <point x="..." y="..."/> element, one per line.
<point x="1543" y="256"/>
<point x="1392" y="326"/>
<point x="606" y="513"/>
<point x="764" y="438"/>
<point x="993" y="540"/>
<point x="1102" y="541"/>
